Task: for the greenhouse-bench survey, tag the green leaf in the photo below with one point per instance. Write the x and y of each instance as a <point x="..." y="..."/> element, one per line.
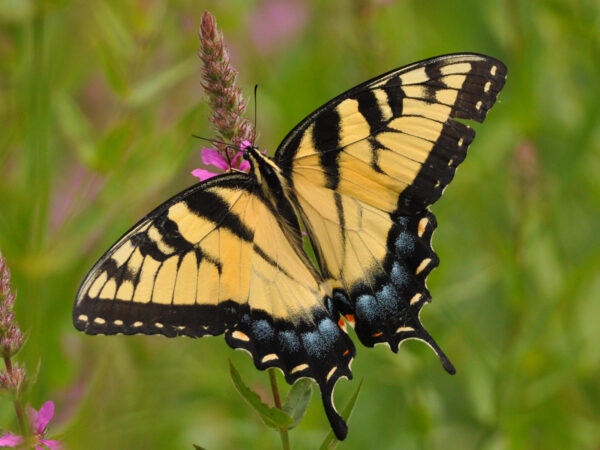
<point x="298" y="399"/>
<point x="76" y="127"/>
<point x="116" y="34"/>
<point x="115" y="70"/>
<point x="112" y="147"/>
<point x="330" y="440"/>
<point x="147" y="90"/>
<point x="272" y="417"/>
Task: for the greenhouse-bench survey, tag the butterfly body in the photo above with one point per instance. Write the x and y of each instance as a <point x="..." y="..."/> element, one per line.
<point x="225" y="256"/>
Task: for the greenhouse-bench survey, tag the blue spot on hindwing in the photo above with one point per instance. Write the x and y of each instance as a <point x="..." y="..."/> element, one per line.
<point x="314" y="344"/>
<point x="402" y="221"/>
<point x="379" y="307"/>
<point x="288" y="341"/>
<point x="329" y="330"/>
<point x="399" y="274"/>
<point x="387" y="299"/>
<point x="405" y="243"/>
<point x="366" y="307"/>
<point x="262" y="330"/>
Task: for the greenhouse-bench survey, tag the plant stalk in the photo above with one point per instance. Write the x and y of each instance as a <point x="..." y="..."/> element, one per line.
<point x="283" y="432"/>
<point x="17" y="399"/>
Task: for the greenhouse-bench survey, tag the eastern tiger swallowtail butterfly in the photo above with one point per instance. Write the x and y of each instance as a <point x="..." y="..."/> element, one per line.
<point x="225" y="255"/>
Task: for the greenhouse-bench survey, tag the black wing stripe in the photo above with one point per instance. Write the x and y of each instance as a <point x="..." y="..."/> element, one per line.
<point x="369" y="108"/>
<point x="326" y="139"/>
<point x="395" y="98"/>
<point x="211" y="206"/>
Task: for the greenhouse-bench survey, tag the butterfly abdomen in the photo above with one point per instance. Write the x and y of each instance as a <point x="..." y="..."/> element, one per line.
<point x="276" y="191"/>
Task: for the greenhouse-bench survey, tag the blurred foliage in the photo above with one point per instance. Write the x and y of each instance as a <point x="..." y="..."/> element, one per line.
<point x="98" y="102"/>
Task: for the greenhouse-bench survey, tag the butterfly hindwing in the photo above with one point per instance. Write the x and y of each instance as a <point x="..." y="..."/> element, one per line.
<point x="364" y="168"/>
<point x="216" y="259"/>
<point x="378" y="264"/>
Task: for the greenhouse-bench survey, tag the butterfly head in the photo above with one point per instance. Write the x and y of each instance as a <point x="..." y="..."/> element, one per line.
<point x="245" y="147"/>
<point x="267" y="173"/>
<point x="260" y="164"/>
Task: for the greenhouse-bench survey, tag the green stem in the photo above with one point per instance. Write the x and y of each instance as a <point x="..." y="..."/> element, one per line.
<point x="17" y="399"/>
<point x="283" y="432"/>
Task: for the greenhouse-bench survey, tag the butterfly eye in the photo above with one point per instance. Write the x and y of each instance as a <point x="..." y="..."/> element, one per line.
<point x="246" y="156"/>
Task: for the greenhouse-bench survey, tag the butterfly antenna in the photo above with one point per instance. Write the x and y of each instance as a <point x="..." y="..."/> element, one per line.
<point x="214" y="141"/>
<point x="224" y="144"/>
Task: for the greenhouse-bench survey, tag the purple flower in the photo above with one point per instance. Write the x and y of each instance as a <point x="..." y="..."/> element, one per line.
<point x="10" y="440"/>
<point x="38" y="422"/>
<point x="212" y="157"/>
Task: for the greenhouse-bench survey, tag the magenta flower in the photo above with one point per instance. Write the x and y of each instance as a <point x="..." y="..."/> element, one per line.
<point x="38" y="422"/>
<point x="212" y="157"/>
<point x="10" y="440"/>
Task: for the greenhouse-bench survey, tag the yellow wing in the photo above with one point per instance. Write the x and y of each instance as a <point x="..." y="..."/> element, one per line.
<point x="215" y="259"/>
<point x="364" y="168"/>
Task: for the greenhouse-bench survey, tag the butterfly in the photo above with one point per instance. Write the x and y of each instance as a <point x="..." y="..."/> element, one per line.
<point x="225" y="256"/>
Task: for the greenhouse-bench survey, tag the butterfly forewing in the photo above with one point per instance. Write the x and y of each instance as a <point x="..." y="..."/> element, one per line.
<point x="391" y="142"/>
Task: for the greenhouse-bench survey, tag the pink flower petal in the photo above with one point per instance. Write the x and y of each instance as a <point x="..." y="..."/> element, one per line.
<point x="52" y="444"/>
<point x="245" y="144"/>
<point x="244" y="166"/>
<point x="10" y="440"/>
<point x="44" y="417"/>
<point x="239" y="163"/>
<point x="213" y="157"/>
<point x="34" y="419"/>
<point x="203" y="174"/>
<point x="236" y="159"/>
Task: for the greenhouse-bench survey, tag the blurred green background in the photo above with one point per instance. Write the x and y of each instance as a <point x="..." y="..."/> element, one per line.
<point x="98" y="102"/>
